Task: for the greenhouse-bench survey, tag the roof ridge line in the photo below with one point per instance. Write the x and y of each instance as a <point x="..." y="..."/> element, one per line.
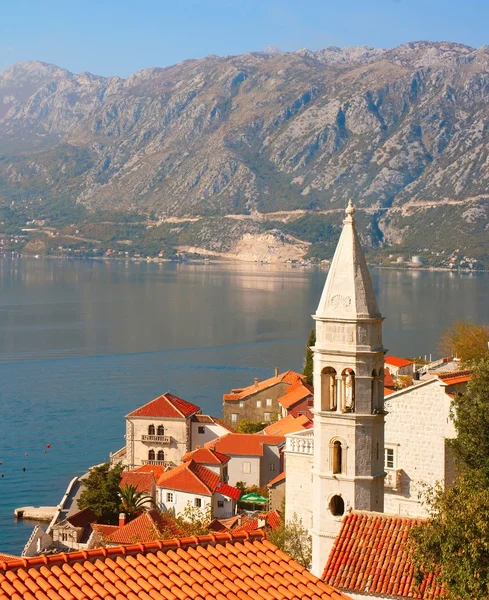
<point x="130" y="549"/>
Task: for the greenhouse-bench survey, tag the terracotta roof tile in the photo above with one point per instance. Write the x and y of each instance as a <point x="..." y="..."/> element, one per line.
<point x="81" y="518"/>
<point x="219" y="566"/>
<point x="8" y="558"/>
<point x="395" y="361"/>
<point x="142" y="481"/>
<point x="157" y="470"/>
<point x="289" y="377"/>
<point x="388" y="381"/>
<point x="280" y="477"/>
<point x="370" y="556"/>
<point x="166" y="406"/>
<point x="388" y="392"/>
<point x="148" y="527"/>
<point x="288" y="424"/>
<point x="455" y="377"/>
<point x="206" y="456"/>
<point x="244" y="443"/>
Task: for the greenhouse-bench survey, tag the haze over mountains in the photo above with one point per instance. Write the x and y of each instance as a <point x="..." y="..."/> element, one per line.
<point x="403" y="132"/>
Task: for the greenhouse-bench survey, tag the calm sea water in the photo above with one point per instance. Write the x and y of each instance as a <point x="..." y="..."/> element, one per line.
<point x="84" y="343"/>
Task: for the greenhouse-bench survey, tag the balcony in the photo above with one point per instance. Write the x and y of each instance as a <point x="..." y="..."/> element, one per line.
<point x="160" y="463"/>
<point x="301" y="442"/>
<point x="165" y="440"/>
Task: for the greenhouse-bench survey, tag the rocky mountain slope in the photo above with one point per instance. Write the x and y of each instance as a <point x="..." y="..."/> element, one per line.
<point x="404" y="132"/>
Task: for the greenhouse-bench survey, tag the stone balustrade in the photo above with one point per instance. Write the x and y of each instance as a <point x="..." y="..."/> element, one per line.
<point x="160" y="439"/>
<point x="300" y="443"/>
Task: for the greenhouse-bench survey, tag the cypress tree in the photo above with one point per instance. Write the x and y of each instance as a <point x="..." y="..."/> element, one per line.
<point x="308" y="366"/>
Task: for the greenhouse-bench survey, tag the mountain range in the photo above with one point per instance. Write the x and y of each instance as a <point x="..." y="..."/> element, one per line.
<point x="267" y="144"/>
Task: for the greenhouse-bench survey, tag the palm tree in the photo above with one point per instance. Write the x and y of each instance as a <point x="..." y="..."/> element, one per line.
<point x="133" y="502"/>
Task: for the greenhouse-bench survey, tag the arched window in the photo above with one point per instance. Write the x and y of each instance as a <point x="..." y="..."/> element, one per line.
<point x="337" y="463"/>
<point x="161" y="430"/>
<point x="151" y="430"/>
<point x="151" y="455"/>
<point x="373" y="390"/>
<point x="337" y="506"/>
<point x="328" y="389"/>
<point x="161" y="455"/>
<point x="347" y="399"/>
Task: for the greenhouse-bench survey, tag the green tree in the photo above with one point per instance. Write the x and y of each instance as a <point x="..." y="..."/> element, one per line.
<point x="468" y="341"/>
<point x="192" y="521"/>
<point x="101" y="493"/>
<point x="246" y="426"/>
<point x="454" y="543"/>
<point x="132" y="502"/>
<point x="308" y="364"/>
<point x="293" y="539"/>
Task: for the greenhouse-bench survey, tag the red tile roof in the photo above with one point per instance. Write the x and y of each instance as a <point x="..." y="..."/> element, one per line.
<point x="157" y="470"/>
<point x="388" y="381"/>
<point x="288" y="377"/>
<point x="455" y="377"/>
<point x="246" y="444"/>
<point x="104" y="530"/>
<point x="395" y="361"/>
<point x="148" y="527"/>
<point x="219" y="566"/>
<point x="7" y="558"/>
<point x="280" y="477"/>
<point x="196" y="479"/>
<point x="211" y="420"/>
<point x="271" y="519"/>
<point x="206" y="456"/>
<point x="143" y="482"/>
<point x="388" y="392"/>
<point x="288" y="424"/>
<point x="296" y="393"/>
<point x="166" y="406"/>
<point x="370" y="556"/>
<point x="82" y="518"/>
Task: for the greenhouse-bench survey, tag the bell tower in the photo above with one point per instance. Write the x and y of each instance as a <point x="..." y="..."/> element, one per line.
<point x="348" y="464"/>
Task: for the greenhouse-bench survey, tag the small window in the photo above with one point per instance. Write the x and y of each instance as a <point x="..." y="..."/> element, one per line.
<point x="161" y="430"/>
<point x="64" y="537"/>
<point x="269" y="402"/>
<point x="151" y="430"/>
<point x="337" y="452"/>
<point x="337" y="506"/>
<point x="246" y="467"/>
<point x="161" y="455"/>
<point x="272" y="467"/>
<point x="241" y="403"/>
<point x="169" y="496"/>
<point x="151" y="455"/>
<point x="201" y="429"/>
<point x="267" y="416"/>
<point x="198" y="502"/>
<point x="234" y="417"/>
<point x="258" y="404"/>
<point x="220" y="504"/>
<point x="390" y="459"/>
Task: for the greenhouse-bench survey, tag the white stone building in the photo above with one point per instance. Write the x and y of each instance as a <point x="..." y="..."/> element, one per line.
<point x="205" y="429"/>
<point x="193" y="485"/>
<point x="417" y="427"/>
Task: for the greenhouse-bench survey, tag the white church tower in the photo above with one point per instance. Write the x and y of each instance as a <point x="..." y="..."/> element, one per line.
<point x="348" y="462"/>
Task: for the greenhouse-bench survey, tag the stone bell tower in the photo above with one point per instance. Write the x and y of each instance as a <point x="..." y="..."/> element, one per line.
<point x="348" y="464"/>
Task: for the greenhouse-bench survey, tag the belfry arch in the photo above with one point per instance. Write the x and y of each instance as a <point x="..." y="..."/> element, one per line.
<point x="328" y="389"/>
<point x="347" y="390"/>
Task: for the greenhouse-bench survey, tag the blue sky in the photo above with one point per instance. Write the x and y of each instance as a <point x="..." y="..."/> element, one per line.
<point x="110" y="37"/>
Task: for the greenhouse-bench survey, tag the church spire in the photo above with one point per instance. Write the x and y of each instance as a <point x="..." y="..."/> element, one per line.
<point x="348" y="293"/>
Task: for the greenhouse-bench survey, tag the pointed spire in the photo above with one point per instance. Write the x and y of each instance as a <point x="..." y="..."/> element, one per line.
<point x="348" y="292"/>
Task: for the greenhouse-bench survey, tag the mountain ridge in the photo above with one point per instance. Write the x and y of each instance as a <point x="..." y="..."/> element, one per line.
<point x="398" y="130"/>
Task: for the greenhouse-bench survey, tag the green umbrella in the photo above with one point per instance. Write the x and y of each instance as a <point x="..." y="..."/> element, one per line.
<point x="253" y="499"/>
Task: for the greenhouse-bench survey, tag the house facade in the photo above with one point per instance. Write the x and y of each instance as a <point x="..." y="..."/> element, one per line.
<point x="258" y="402"/>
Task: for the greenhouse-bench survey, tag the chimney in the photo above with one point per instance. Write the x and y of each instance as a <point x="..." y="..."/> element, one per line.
<point x="122" y="519"/>
<point x="276" y="371"/>
<point x="256" y="381"/>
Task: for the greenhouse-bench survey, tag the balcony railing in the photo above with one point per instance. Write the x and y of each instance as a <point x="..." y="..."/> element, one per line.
<point x="300" y="443"/>
<point x="160" y="463"/>
<point x="160" y="439"/>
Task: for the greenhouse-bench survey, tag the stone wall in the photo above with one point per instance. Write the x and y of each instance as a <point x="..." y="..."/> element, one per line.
<point x="298" y="469"/>
<point x="248" y="408"/>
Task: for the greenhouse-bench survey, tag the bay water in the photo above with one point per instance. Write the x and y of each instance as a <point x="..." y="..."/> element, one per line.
<point x="82" y="343"/>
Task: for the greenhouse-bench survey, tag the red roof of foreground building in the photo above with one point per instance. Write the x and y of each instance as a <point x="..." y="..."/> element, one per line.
<point x="455" y="377"/>
<point x="221" y="566"/>
<point x="289" y="377"/>
<point x="196" y="479"/>
<point x="157" y="470"/>
<point x="297" y="392"/>
<point x="246" y="444"/>
<point x="395" y="361"/>
<point x="148" y="527"/>
<point x="143" y="482"/>
<point x="7" y="558"/>
<point x="370" y="556"/>
<point x="166" y="406"/>
<point x="288" y="424"/>
<point x="206" y="456"/>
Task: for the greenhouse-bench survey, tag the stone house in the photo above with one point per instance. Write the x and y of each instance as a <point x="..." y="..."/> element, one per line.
<point x="211" y="459"/>
<point x="254" y="459"/>
<point x="298" y="400"/>
<point x="276" y="492"/>
<point x="159" y="432"/>
<point x="399" y="366"/>
<point x="196" y="486"/>
<point x="417" y="427"/>
<point x="260" y="401"/>
<point x="205" y="429"/>
<point x="74" y="532"/>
